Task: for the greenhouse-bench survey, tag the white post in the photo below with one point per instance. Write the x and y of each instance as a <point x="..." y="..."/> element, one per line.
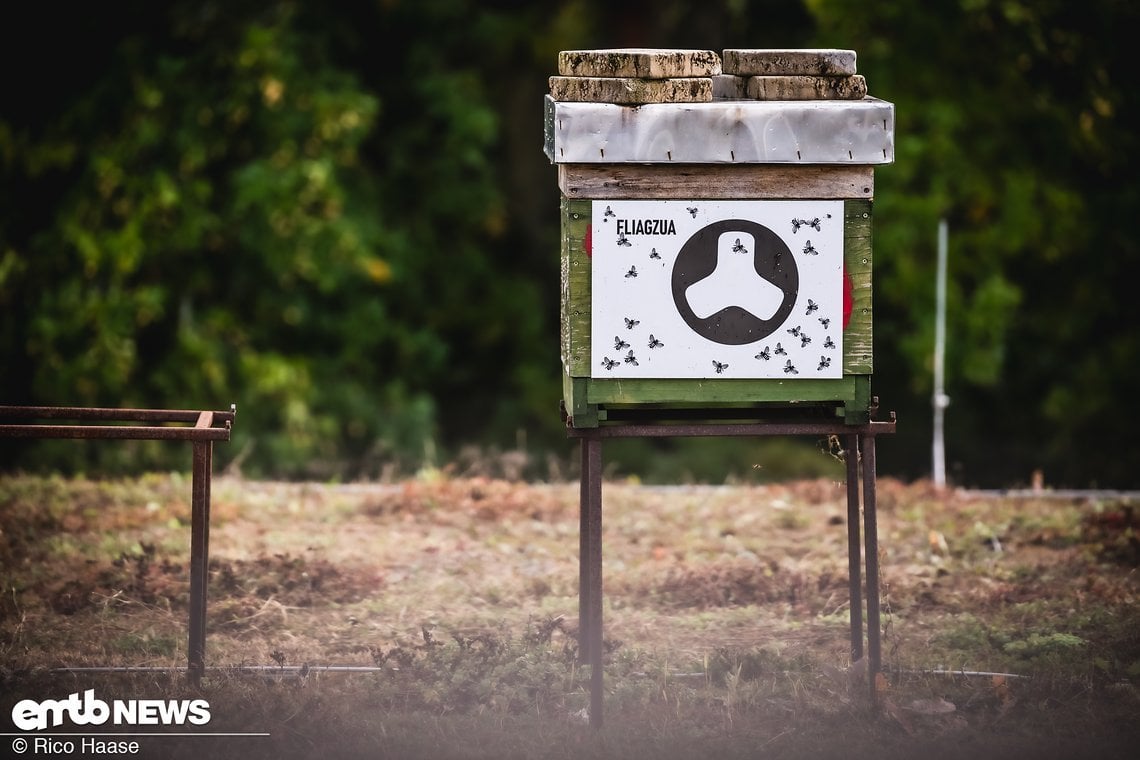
<point x="940" y="400"/>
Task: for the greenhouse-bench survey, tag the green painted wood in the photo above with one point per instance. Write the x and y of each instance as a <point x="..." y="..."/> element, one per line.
<point x="574" y="394"/>
<point x="857" y="260"/>
<point x="575" y="287"/>
<point x="859" y="411"/>
<point x="674" y="391"/>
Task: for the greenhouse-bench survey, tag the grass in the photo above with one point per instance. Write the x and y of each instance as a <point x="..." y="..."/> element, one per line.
<point x="726" y="618"/>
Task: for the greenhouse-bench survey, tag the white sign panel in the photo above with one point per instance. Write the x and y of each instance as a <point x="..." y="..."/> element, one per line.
<point x="717" y="289"/>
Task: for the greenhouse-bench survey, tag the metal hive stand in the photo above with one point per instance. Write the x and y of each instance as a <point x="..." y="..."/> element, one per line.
<point x="858" y="439"/>
<point x="201" y="428"/>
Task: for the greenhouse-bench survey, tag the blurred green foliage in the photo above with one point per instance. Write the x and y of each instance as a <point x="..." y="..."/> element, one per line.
<point x="338" y="216"/>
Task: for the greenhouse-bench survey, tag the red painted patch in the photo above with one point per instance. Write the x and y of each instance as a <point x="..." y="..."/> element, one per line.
<point x="589" y="243"/>
<point x="848" y="297"/>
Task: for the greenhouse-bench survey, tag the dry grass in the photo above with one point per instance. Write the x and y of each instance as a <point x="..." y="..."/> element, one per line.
<point x="726" y="617"/>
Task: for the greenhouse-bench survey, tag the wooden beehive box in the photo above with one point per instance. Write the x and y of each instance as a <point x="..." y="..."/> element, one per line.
<point x="716" y="241"/>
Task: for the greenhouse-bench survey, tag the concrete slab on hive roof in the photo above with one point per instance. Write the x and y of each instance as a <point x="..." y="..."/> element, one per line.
<point x="630" y="90"/>
<point x="642" y="63"/>
<point x="816" y="62"/>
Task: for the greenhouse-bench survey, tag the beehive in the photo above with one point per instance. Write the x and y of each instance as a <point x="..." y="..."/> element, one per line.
<point x="716" y="231"/>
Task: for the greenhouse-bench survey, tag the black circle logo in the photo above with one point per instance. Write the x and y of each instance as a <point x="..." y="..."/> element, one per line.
<point x="734" y="325"/>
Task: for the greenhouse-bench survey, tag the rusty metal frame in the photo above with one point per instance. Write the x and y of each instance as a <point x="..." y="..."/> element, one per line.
<point x="201" y="428"/>
<point x="860" y="443"/>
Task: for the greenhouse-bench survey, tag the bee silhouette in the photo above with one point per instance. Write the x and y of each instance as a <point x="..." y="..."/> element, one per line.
<point x="623" y="240"/>
<point x="720" y="367"/>
<point x="815" y="224"/>
<point x="608" y="363"/>
<point x="811" y="306"/>
<point x="630" y="358"/>
<point x="790" y="369"/>
<point x="653" y="254"/>
<point x="810" y="250"/>
<point x="804" y="340"/>
<point x="692" y="212"/>
<point x="653" y="342"/>
<point x="619" y="344"/>
<point x="780" y="350"/>
<point x="609" y="212"/>
<point x="739" y="247"/>
<point x="632" y="272"/>
<point x="828" y="343"/>
<point x="631" y="323"/>
<point x="794" y="331"/>
<point x="825" y="322"/>
<point x="824" y="362"/>
<point x="766" y="354"/>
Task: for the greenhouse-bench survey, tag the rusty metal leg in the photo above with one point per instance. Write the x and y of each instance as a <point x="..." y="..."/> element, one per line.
<point x="590" y="572"/>
<point x="199" y="557"/>
<point x="854" y="558"/>
<point x="584" y="586"/>
<point x="871" y="529"/>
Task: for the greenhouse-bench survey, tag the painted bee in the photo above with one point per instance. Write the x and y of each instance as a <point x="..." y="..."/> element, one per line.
<point x="810" y="250"/>
<point x="828" y="343"/>
<point x="790" y="369"/>
<point x="813" y="223"/>
<point x="794" y="331"/>
<point x="824" y="362"/>
<point x="609" y="212"/>
<point x="631" y="323"/>
<point x="780" y="350"/>
<point x="804" y="340"/>
<point x="653" y="254"/>
<point x="692" y="212"/>
<point x="811" y="306"/>
<point x="720" y="367"/>
<point x="766" y="354"/>
<point x="825" y="321"/>
<point x="653" y="342"/>
<point x="739" y="247"/>
<point x="623" y="240"/>
<point x="630" y="358"/>
<point x="632" y="272"/>
<point x="619" y="344"/>
<point x="608" y="363"/>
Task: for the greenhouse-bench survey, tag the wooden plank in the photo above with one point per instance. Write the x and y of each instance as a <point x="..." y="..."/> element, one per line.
<point x="859" y="411"/>
<point x="857" y="261"/>
<point x="650" y="391"/>
<point x="588" y="401"/>
<point x="631" y="91"/>
<point x="818" y="62"/>
<point x="582" y="413"/>
<point x="575" y="287"/>
<point x="715" y="181"/>
<point x="806" y="88"/>
<point x="644" y="63"/>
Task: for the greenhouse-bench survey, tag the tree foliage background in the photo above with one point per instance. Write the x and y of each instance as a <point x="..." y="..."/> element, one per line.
<point x="338" y="216"/>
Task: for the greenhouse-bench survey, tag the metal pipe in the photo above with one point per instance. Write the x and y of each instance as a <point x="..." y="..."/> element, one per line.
<point x="594" y="561"/>
<point x="854" y="560"/>
<point x="584" y="586"/>
<point x="106" y="414"/>
<point x="871" y="537"/>
<point x="199" y="560"/>
<point x="116" y="432"/>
